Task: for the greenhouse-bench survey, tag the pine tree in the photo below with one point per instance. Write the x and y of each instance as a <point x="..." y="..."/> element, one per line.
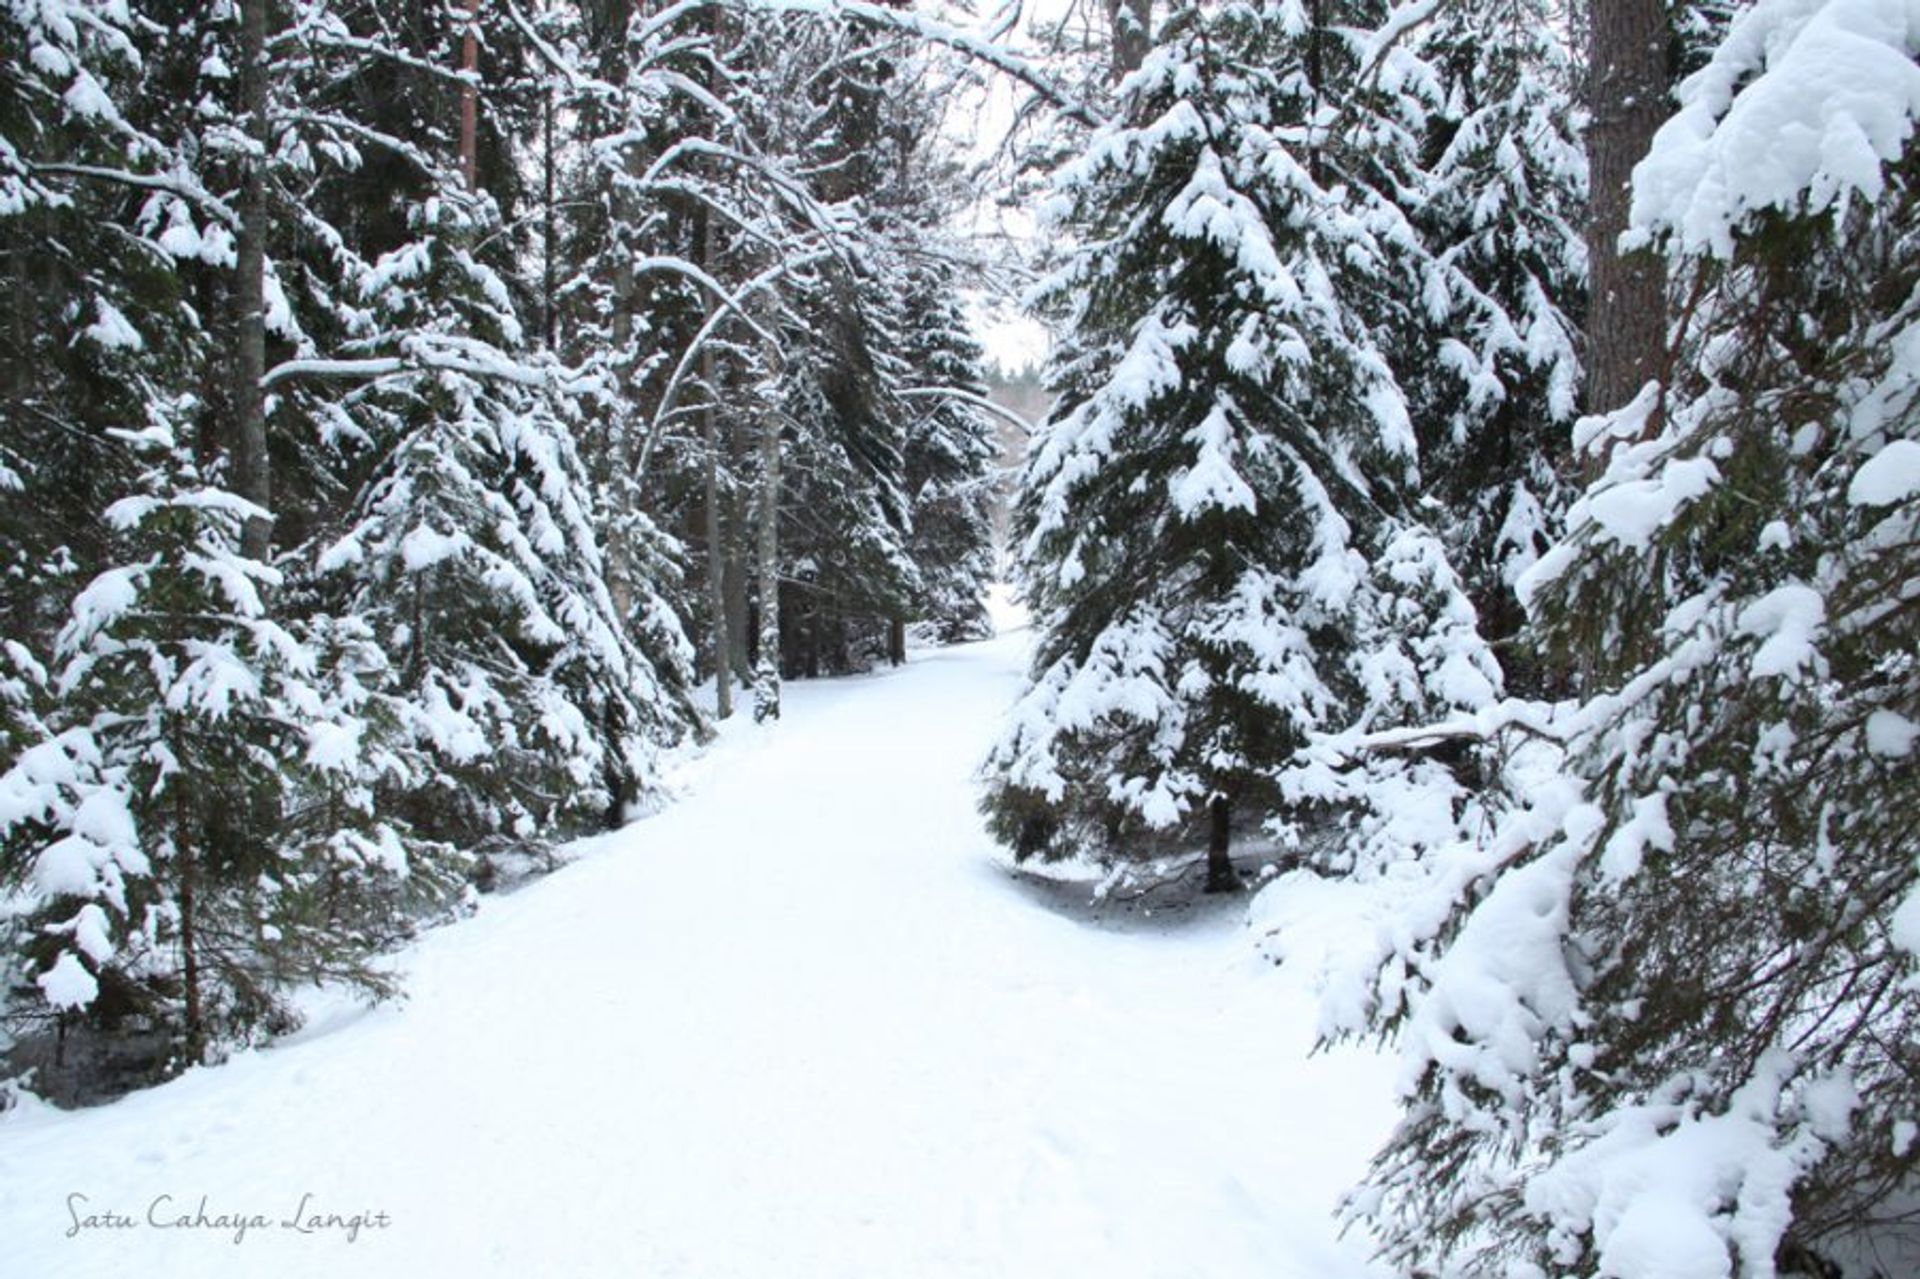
<point x="1215" y="521"/>
<point x="1654" y="1021"/>
<point x="1492" y="372"/>
<point x="474" y="554"/>
<point x="844" y="509"/>
<point x="93" y="316"/>
<point x="951" y="456"/>
<point x="153" y="828"/>
<point x="244" y="765"/>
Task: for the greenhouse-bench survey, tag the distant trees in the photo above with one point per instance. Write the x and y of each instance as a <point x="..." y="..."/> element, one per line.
<point x="376" y="401"/>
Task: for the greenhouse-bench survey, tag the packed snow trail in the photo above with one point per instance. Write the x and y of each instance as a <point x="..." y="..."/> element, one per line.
<point x="798" y="1024"/>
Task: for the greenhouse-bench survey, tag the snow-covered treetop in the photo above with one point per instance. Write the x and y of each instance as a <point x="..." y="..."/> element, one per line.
<point x="1802" y="106"/>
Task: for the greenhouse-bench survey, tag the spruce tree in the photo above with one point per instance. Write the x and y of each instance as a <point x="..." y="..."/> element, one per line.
<point x="474" y="554"/>
<point x="153" y="825"/>
<point x="1655" y="1019"/>
<point x="951" y="457"/>
<point x="1216" y="530"/>
<point x="1492" y="369"/>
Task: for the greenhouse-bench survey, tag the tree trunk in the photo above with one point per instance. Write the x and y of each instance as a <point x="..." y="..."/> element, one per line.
<point x="742" y="637"/>
<point x="766" y="670"/>
<point x="1220" y="874"/>
<point x="1627" y="90"/>
<point x="1130" y="23"/>
<point x="896" y="641"/>
<point x="549" y="234"/>
<point x="469" y="100"/>
<point x="620" y="447"/>
<point x="196" y="1025"/>
<point x="622" y="461"/>
<point x="719" y="630"/>
<point x="253" y="478"/>
<point x="716" y="553"/>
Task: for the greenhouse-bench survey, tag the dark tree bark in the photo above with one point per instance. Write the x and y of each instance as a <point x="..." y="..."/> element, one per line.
<point x="716" y="549"/>
<point x="1627" y="94"/>
<point x="741" y="634"/>
<point x="1220" y="873"/>
<point x="253" y="478"/>
<point x="469" y="99"/>
<point x="549" y="232"/>
<point x="194" y="1012"/>
<point x="766" y="668"/>
<point x="1130" y="23"/>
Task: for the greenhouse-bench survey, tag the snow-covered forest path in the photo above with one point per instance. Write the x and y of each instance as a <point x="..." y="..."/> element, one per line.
<point x="798" y="1024"/>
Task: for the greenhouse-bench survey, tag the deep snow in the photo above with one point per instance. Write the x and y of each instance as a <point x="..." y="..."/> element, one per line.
<point x="800" y="1023"/>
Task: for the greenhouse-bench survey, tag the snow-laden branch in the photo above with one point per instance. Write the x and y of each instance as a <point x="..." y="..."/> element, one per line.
<point x="795" y="193"/>
<point x="680" y="266"/>
<point x="967" y="397"/>
<point x="983" y="49"/>
<point x="444" y="353"/>
<point x="1533" y="719"/>
<point x="730" y="305"/>
<point x="194" y="194"/>
<point x="997" y="56"/>
<point x="356" y="370"/>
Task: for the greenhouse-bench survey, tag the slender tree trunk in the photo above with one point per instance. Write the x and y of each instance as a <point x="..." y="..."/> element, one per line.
<point x="254" y="479"/>
<point x="719" y="629"/>
<point x="549" y="234"/>
<point x="896" y="641"/>
<point x="766" y="671"/>
<point x="196" y="1024"/>
<point x="742" y="632"/>
<point x="620" y="446"/>
<point x="716" y="553"/>
<point x="1220" y="874"/>
<point x="1627" y="90"/>
<point x="621" y="462"/>
<point x="470" y="99"/>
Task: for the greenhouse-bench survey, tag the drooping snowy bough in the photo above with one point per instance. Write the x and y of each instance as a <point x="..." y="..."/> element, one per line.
<point x="1659" y="1019"/>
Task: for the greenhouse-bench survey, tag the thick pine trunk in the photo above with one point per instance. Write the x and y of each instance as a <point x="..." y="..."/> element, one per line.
<point x="253" y="478"/>
<point x="1627" y="92"/>
<point x="1220" y="873"/>
<point x="896" y="641"/>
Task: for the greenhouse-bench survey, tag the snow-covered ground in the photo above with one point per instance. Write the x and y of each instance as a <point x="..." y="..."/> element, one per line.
<point x="801" y="1023"/>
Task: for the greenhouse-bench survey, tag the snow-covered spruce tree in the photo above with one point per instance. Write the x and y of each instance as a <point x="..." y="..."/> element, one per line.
<point x="950" y="452"/>
<point x="844" y="508"/>
<point x="473" y="553"/>
<point x="1491" y="369"/>
<point x="93" y="318"/>
<point x="677" y="250"/>
<point x="1217" y="549"/>
<point x="1660" y="1021"/>
<point x="165" y="826"/>
<point x="951" y="458"/>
